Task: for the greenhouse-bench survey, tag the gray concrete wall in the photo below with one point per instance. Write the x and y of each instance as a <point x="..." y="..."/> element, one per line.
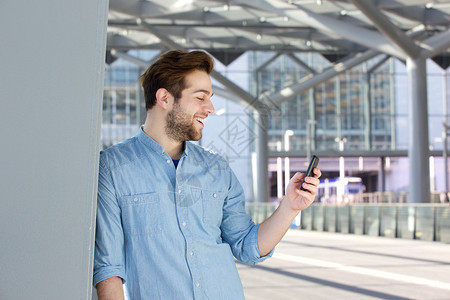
<point x="51" y="81"/>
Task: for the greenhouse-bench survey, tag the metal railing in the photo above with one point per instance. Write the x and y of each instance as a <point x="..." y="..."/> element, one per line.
<point x="429" y="222"/>
<point x="260" y="211"/>
<point x="389" y="197"/>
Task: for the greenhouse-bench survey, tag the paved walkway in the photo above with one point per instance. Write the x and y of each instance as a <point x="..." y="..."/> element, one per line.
<point x="320" y="265"/>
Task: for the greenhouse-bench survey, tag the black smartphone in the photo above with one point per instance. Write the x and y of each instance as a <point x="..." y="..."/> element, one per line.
<point x="309" y="172"/>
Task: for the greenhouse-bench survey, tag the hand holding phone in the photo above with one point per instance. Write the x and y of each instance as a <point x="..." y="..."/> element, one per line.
<point x="309" y="172"/>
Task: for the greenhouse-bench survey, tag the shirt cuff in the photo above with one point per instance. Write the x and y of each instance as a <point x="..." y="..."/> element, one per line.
<point x="108" y="272"/>
<point x="254" y="250"/>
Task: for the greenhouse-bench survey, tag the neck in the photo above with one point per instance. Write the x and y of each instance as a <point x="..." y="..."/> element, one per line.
<point x="174" y="148"/>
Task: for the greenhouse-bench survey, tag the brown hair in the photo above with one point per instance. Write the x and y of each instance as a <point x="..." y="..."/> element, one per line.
<point x="169" y="72"/>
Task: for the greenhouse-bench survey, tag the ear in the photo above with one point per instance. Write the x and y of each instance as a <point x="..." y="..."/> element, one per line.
<point x="163" y="97"/>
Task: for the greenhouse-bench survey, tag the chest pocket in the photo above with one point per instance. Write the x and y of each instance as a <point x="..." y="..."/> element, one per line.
<point x="213" y="207"/>
<point x="141" y="214"/>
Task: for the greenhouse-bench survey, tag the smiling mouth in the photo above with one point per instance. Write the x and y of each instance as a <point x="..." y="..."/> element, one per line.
<point x="200" y="120"/>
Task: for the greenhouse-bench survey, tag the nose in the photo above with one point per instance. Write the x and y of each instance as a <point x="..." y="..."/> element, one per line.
<point x="209" y="107"/>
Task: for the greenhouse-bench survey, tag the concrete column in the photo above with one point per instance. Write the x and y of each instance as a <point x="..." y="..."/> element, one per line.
<point x="312" y="112"/>
<point x="261" y="192"/>
<point x="445" y="131"/>
<point x="366" y="91"/>
<point x="51" y="86"/>
<point x="418" y="149"/>
<point x="312" y="118"/>
<point x="392" y="104"/>
<point x="337" y="84"/>
<point x="382" y="175"/>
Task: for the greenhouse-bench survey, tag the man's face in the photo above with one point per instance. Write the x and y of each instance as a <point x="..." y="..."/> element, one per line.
<point x="185" y="121"/>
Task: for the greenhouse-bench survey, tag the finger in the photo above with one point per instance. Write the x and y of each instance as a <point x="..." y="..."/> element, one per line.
<point x="310" y="188"/>
<point x="317" y="173"/>
<point x="312" y="180"/>
<point x="306" y="187"/>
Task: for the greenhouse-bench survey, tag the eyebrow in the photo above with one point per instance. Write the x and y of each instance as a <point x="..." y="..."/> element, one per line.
<point x="203" y="91"/>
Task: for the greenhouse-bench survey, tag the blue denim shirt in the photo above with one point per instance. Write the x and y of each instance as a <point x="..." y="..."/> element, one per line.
<point x="171" y="233"/>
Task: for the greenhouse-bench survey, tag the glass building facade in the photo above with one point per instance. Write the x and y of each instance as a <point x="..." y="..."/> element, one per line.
<point x="122" y="104"/>
<point x="355" y="106"/>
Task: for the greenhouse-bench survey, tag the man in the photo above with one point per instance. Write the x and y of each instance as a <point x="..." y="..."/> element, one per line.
<point x="170" y="214"/>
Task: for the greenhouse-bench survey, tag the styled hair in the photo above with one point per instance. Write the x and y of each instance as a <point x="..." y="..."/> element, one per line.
<point x="169" y="72"/>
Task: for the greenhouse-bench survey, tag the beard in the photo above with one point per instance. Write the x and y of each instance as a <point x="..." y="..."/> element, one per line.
<point x="180" y="126"/>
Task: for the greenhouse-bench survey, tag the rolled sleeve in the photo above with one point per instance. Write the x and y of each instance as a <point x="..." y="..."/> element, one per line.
<point x="109" y="239"/>
<point x="109" y="272"/>
<point x="252" y="249"/>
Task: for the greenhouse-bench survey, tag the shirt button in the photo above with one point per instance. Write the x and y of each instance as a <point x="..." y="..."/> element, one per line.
<point x="184" y="224"/>
<point x="215" y="195"/>
<point x="168" y="161"/>
<point x="191" y="253"/>
<point x="197" y="284"/>
<point x="135" y="199"/>
<point x="179" y="191"/>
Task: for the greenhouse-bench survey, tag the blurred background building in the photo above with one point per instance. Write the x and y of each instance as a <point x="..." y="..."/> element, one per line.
<point x="360" y="115"/>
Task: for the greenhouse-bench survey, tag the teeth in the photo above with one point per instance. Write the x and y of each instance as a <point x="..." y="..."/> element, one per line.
<point x="200" y="120"/>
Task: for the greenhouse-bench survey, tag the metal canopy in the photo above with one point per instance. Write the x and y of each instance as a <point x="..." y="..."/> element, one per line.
<point x="229" y="28"/>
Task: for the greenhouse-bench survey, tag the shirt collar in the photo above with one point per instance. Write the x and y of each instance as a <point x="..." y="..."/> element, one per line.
<point x="187" y="147"/>
<point x="148" y="141"/>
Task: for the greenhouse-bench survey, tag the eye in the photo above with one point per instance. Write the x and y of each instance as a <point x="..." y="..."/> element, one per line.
<point x="200" y="98"/>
